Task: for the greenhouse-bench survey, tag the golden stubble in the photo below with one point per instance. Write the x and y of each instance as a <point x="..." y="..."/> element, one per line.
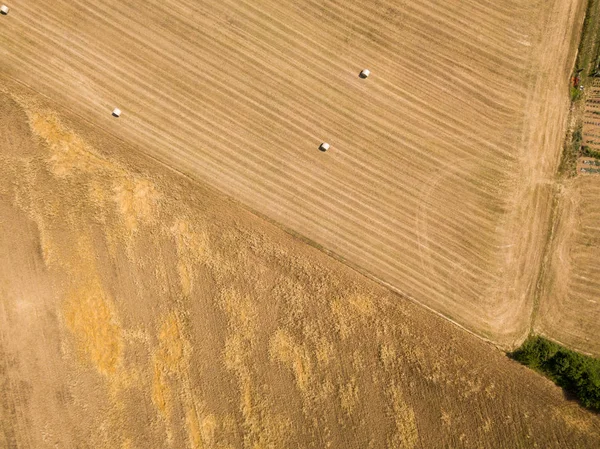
<point x="97" y="189"/>
<point x="91" y="317"/>
<point x="352" y="313"/>
<point x="192" y="251"/>
<point x="136" y="199"/>
<point x="126" y="204"/>
<point x="405" y="434"/>
<point x="295" y="356"/>
<point x="326" y="355"/>
<point x="170" y="363"/>
<point x="170" y="359"/>
<point x="263" y="427"/>
<point x="69" y="153"/>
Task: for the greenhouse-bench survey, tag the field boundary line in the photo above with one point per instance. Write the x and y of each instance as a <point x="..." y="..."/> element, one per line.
<point x="561" y="177"/>
<point x="365" y="273"/>
<point x="362" y="271"/>
<point x="546" y="255"/>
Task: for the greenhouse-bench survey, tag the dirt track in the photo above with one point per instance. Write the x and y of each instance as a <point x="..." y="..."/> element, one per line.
<point x="438" y="177"/>
<point x="138" y="310"/>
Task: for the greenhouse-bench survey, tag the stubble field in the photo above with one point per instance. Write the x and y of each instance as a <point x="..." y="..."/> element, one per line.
<point x="570" y="312"/>
<point x="438" y="182"/>
<point x="139" y="309"/>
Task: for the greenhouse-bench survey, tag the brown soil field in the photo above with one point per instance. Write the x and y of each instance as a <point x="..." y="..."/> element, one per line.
<point x="141" y="309"/>
<point x="570" y="312"/>
<point x="439" y="179"/>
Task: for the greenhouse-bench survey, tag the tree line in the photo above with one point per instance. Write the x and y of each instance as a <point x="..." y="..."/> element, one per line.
<point x="576" y="373"/>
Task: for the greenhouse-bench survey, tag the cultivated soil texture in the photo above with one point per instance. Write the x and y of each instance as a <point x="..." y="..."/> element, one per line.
<point x="439" y="177"/>
<point x="139" y="309"/>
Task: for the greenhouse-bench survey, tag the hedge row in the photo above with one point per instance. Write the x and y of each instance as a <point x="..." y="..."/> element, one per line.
<point x="576" y="373"/>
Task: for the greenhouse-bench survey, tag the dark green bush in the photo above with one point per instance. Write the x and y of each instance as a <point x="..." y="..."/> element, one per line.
<point x="587" y="151"/>
<point x="576" y="373"/>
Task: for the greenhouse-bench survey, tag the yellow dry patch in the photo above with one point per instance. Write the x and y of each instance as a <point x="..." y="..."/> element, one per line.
<point x="208" y="429"/>
<point x="387" y="355"/>
<point x="323" y="351"/>
<point x="251" y="417"/>
<point x="193" y="429"/>
<point x="263" y="429"/>
<point x="241" y="313"/>
<point x="90" y="315"/>
<point x="201" y="434"/>
<point x="446" y="419"/>
<point x="349" y="396"/>
<point x="171" y="357"/>
<point x="405" y="433"/>
<point x="186" y="277"/>
<point x="97" y="194"/>
<point x="172" y="349"/>
<point x="352" y="312"/>
<point x="136" y="199"/>
<point x="171" y="382"/>
<point x="233" y="353"/>
<point x="191" y="252"/>
<point x="69" y="153"/>
<point x="257" y="430"/>
<point x="570" y="417"/>
<point x="284" y="349"/>
<point x="161" y="393"/>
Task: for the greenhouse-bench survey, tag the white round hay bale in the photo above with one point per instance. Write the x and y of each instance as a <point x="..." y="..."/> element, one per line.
<point x="116" y="112"/>
<point x="4" y="9"/>
<point x="365" y="73"/>
<point x="324" y="146"/>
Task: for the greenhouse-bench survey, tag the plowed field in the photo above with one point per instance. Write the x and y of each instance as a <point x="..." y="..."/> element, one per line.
<point x="438" y="178"/>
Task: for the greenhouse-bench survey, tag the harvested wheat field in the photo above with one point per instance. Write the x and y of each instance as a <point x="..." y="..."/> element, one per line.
<point x="140" y="309"/>
<point x="570" y="312"/>
<point x="569" y="309"/>
<point x="438" y="180"/>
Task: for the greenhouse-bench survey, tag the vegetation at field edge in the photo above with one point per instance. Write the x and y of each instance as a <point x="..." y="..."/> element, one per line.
<point x="587" y="151"/>
<point x="576" y="373"/>
<point x="586" y="66"/>
<point x="588" y="56"/>
<point x="572" y="147"/>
